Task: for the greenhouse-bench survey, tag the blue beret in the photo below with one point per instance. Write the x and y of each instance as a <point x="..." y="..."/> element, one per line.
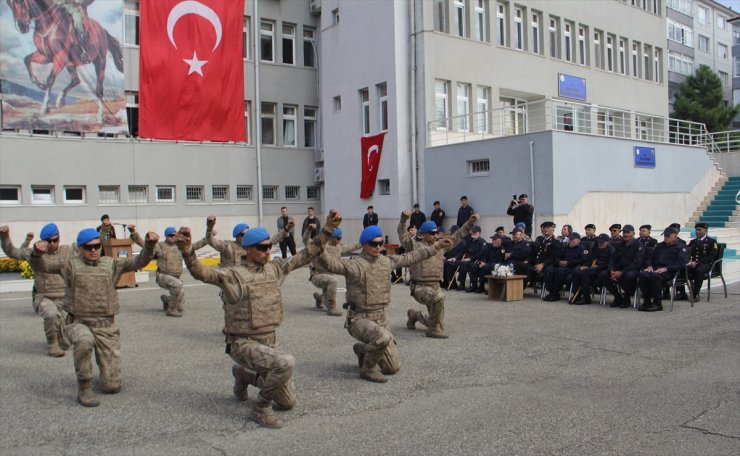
<point x="169" y="230"/>
<point x="87" y="235"/>
<point x="48" y="231"/>
<point x="370" y="233"/>
<point x="337" y="233"/>
<point x="427" y="227"/>
<point x="238" y="228"/>
<point x="520" y="225"/>
<point x="255" y="236"/>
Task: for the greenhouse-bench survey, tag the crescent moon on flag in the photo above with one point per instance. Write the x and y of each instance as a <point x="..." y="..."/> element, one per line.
<point x="372" y="150"/>
<point x="197" y="8"/>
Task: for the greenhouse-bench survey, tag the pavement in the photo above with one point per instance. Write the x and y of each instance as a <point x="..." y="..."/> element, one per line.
<point x="518" y="378"/>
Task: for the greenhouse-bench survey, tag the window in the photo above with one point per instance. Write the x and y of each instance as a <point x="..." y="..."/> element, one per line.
<point x="267" y="121"/>
<point x="610" y="53"/>
<point x="10" y="194"/>
<point x="365" y="110"/>
<point x="289" y="122"/>
<point x="482" y="121"/>
<point x="721" y="21"/>
<point x="554" y="38"/>
<point x="680" y="33"/>
<point x="309" y="51"/>
<point x="440" y="15"/>
<point x="74" y="194"/>
<point x="702" y="15"/>
<point x="243" y="192"/>
<point x="721" y="51"/>
<point x="682" y="6"/>
<point x="288" y="44"/>
<point x="337" y="103"/>
<point x="131" y="22"/>
<point x="518" y="29"/>
<point x="292" y="192"/>
<point x="138" y="194"/>
<point x="724" y="77"/>
<point x="460" y="18"/>
<point x="109" y="194"/>
<point x="658" y="65"/>
<point x="248" y="120"/>
<point x="132" y="112"/>
<point x="441" y="103"/>
<point x="636" y="60"/>
<point x="267" y="35"/>
<point x="313" y="193"/>
<point x="335" y="16"/>
<point x="42" y="194"/>
<point x="463" y="106"/>
<point x="478" y="167"/>
<point x="501" y="24"/>
<point x="165" y="194"/>
<point x="567" y="33"/>
<point x="622" y="57"/>
<point x="646" y="51"/>
<point x="383" y="105"/>
<point x="480" y="20"/>
<point x="736" y="36"/>
<point x="246" y="39"/>
<point x="679" y="63"/>
<point x="703" y="43"/>
<point x="384" y="186"/>
<point x="309" y="127"/>
<point x="220" y="192"/>
<point x="598" y="51"/>
<point x="737" y="69"/>
<point x="194" y="194"/>
<point x="270" y="192"/>
<point x="536" y="36"/>
<point x="582" y="49"/>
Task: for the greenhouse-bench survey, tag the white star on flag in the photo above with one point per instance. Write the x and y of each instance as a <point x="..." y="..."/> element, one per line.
<point x="195" y="64"/>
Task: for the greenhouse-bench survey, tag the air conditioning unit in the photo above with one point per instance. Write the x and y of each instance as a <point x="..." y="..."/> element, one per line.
<point x="314" y="6"/>
<point x="318" y="174"/>
<point x="318" y="155"/>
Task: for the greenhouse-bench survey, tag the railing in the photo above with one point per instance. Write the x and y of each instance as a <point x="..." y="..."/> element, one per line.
<point x="581" y="118"/>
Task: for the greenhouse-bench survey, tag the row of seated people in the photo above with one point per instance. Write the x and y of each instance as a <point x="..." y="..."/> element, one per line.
<point x="614" y="261"/>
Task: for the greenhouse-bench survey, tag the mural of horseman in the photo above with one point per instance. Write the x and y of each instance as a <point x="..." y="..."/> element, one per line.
<point x="66" y="38"/>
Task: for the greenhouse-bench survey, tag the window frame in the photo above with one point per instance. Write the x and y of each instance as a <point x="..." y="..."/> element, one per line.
<point x="288" y="39"/>
<point x="270" y="36"/>
<point x="102" y="189"/>
<point x="195" y="194"/>
<point x="172" y="199"/>
<point x="268" y="116"/>
<point x="365" y="126"/>
<point x="19" y="196"/>
<point x="483" y="165"/>
<point x="76" y="202"/>
<point x="384" y="187"/>
<point x="292" y="192"/>
<point x="273" y="189"/>
<point x="288" y="119"/>
<point x="49" y="202"/>
<point x="382" y="90"/>
<point x="245" y="192"/>
<point x="134" y="188"/>
<point x="309" y="125"/>
<point x="134" y="13"/>
<point x="246" y="38"/>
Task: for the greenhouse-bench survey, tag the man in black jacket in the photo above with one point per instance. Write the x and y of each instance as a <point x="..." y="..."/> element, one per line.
<point x="586" y="276"/>
<point x="417" y="217"/>
<point x="545" y="251"/>
<point x="474" y="247"/>
<point x="465" y="211"/>
<point x="492" y="255"/>
<point x="371" y="218"/>
<point x="522" y="212"/>
<point x="572" y="255"/>
<point x="624" y="268"/>
<point x="438" y="215"/>
<point x="668" y="257"/>
<point x="703" y="252"/>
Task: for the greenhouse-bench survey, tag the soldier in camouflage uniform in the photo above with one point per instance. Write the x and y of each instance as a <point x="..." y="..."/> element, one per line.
<point x="368" y="294"/>
<point x="232" y="251"/>
<point x="91" y="303"/>
<point x="324" y="280"/>
<point x="426" y="276"/>
<point x="169" y="270"/>
<point x="48" y="288"/>
<point x="253" y="307"/>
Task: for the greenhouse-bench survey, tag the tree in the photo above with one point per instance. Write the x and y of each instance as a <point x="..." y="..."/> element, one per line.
<point x="699" y="99"/>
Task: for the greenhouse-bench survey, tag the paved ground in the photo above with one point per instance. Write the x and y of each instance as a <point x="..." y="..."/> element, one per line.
<point x="525" y="378"/>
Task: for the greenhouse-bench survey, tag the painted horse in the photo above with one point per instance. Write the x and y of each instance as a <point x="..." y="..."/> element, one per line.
<point x="58" y="44"/>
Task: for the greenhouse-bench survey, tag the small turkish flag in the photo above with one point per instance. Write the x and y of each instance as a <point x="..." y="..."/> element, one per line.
<point x="191" y="70"/>
<point x="371" y="146"/>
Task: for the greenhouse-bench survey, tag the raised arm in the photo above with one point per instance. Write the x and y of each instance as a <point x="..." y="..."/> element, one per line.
<point x="213" y="276"/>
<point x="133" y="263"/>
<point x="27" y="242"/>
<point x="464" y="230"/>
<point x="351" y="247"/>
<point x="420" y="254"/>
<point x="313" y="248"/>
<point x="43" y="263"/>
<point x="135" y="236"/>
<point x="9" y="249"/>
<point x="403" y="234"/>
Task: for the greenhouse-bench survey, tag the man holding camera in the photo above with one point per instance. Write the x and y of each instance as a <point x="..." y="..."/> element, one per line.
<point x="522" y="212"/>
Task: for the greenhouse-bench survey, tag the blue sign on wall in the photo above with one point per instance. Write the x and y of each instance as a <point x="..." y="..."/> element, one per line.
<point x="571" y="87"/>
<point x="644" y="157"/>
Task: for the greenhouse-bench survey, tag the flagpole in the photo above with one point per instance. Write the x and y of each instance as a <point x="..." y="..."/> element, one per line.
<point x="257" y="108"/>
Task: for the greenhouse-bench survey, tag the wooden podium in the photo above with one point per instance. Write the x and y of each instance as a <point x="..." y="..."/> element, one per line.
<point x="121" y="248"/>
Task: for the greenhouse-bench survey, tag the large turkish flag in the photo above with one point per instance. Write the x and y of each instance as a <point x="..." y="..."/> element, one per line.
<point x="372" y="147"/>
<point x="191" y="71"/>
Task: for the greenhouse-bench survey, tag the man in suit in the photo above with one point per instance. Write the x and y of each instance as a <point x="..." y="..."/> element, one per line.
<point x="371" y="218"/>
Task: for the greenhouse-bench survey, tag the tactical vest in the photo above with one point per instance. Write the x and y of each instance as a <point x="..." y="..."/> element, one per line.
<point x="332" y="251"/>
<point x="429" y="270"/>
<point x="169" y="259"/>
<point x="260" y="308"/>
<point x="233" y="254"/>
<point x="372" y="290"/>
<point x="91" y="293"/>
<point x="52" y="286"/>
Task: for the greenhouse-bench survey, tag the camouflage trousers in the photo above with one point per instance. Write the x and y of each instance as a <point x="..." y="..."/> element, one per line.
<point x="274" y="368"/>
<point x="176" y="299"/>
<point x="378" y="344"/>
<point x="328" y="285"/>
<point x="102" y="336"/>
<point x="432" y="297"/>
<point x="54" y="316"/>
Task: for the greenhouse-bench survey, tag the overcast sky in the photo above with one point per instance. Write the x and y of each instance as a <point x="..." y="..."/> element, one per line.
<point x="734" y="4"/>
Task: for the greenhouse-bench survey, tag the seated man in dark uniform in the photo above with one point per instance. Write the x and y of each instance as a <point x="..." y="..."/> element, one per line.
<point x="572" y="256"/>
<point x="703" y="252"/>
<point x="589" y="239"/>
<point x="452" y="262"/>
<point x="492" y="255"/>
<point x="474" y="247"/>
<point x="645" y="239"/>
<point x="624" y="269"/>
<point x="587" y="275"/>
<point x="517" y="252"/>
<point x="668" y="257"/>
<point x="545" y="251"/>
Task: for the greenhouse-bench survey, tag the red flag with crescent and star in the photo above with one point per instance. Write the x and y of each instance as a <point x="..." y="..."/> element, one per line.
<point x="191" y="71"/>
<point x="372" y="147"/>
